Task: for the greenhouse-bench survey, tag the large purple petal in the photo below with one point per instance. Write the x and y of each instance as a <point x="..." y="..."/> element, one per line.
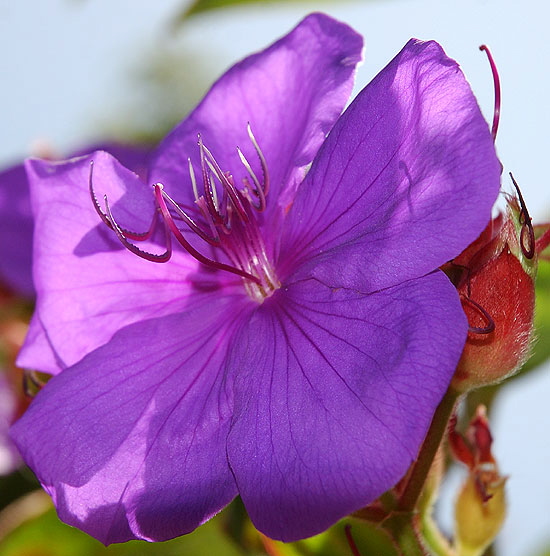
<point x="16" y="229"/>
<point x="405" y="181"/>
<point x="335" y="392"/>
<point x="291" y="93"/>
<point x="130" y="442"/>
<point x="88" y="285"/>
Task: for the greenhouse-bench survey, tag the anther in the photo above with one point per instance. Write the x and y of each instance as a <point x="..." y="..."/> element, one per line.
<point x="208" y="160"/>
<point x="136" y="236"/>
<point x="263" y="163"/>
<point x="490" y="327"/>
<point x="527" y="234"/>
<point x="496" y="82"/>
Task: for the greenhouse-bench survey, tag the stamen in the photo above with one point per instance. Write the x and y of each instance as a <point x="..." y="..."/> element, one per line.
<point x="207" y="185"/>
<point x="496" y="82"/>
<point x="258" y="190"/>
<point x="262" y="160"/>
<point x="158" y="188"/>
<point x="527" y="234"/>
<point x="188" y="220"/>
<point x="224" y="221"/>
<point x="162" y="258"/>
<point x="193" y="180"/>
<point x="227" y="184"/>
<point x="490" y="322"/>
<point x="134" y="236"/>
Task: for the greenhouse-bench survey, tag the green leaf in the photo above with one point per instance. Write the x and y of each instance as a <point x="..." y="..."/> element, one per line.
<point x="230" y="533"/>
<point x="46" y="535"/>
<point x="200" y="6"/>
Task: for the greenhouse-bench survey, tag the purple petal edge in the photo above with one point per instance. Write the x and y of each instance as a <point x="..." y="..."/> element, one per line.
<point x="405" y="181"/>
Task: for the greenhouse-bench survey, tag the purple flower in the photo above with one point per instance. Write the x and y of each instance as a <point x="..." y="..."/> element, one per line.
<point x="16" y="221"/>
<point x="9" y="457"/>
<point x="16" y="230"/>
<point x="300" y="363"/>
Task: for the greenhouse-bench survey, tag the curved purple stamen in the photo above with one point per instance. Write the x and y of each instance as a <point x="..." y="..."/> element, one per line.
<point x="527" y="234"/>
<point x="123" y="234"/>
<point x="496" y="81"/>
<point x="228" y="218"/>
<point x="153" y="257"/>
<point x="210" y="188"/>
<point x="135" y="236"/>
<point x="159" y="196"/>
<point x="490" y="322"/>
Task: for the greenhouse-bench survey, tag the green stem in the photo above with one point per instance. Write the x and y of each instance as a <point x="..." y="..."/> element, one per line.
<point x="401" y="528"/>
<point x="421" y="466"/>
<point x="437" y="544"/>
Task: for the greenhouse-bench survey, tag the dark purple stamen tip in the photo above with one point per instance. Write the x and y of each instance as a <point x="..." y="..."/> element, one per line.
<point x="527" y="234"/>
<point x="496" y="81"/>
<point x="153" y="257"/>
<point x="123" y="235"/>
<point x="32" y="383"/>
<point x="108" y="220"/>
<point x="490" y="322"/>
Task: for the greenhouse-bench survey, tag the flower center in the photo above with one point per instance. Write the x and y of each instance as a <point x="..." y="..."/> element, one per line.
<point x="223" y="216"/>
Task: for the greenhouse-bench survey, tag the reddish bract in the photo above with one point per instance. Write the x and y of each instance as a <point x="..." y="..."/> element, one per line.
<point x="495" y="279"/>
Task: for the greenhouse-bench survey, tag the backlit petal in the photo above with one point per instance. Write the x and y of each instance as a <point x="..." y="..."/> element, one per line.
<point x="89" y="286"/>
<point x="291" y="94"/>
<point x="130" y="442"/>
<point x="405" y="181"/>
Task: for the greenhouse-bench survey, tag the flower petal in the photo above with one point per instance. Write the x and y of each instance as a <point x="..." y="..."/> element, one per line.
<point x="291" y="94"/>
<point x="331" y="410"/>
<point x="16" y="230"/>
<point x="405" y="181"/>
<point x="88" y="285"/>
<point x="130" y="442"/>
<point x="16" y="222"/>
<point x="133" y="156"/>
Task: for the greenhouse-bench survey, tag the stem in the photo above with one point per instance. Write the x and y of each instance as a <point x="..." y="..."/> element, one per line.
<point x="351" y="541"/>
<point x="542" y="242"/>
<point x="421" y="466"/>
<point x="437" y="544"/>
<point x="401" y="528"/>
<point x="270" y="546"/>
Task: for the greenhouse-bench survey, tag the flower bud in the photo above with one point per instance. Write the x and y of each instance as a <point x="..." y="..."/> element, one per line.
<point x="495" y="278"/>
<point x="481" y="506"/>
<point x="477" y="522"/>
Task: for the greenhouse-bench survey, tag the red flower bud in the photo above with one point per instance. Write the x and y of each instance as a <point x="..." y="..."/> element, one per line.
<point x="495" y="280"/>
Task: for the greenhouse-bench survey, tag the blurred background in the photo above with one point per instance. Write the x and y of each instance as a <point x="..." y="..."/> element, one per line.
<point x="78" y="71"/>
